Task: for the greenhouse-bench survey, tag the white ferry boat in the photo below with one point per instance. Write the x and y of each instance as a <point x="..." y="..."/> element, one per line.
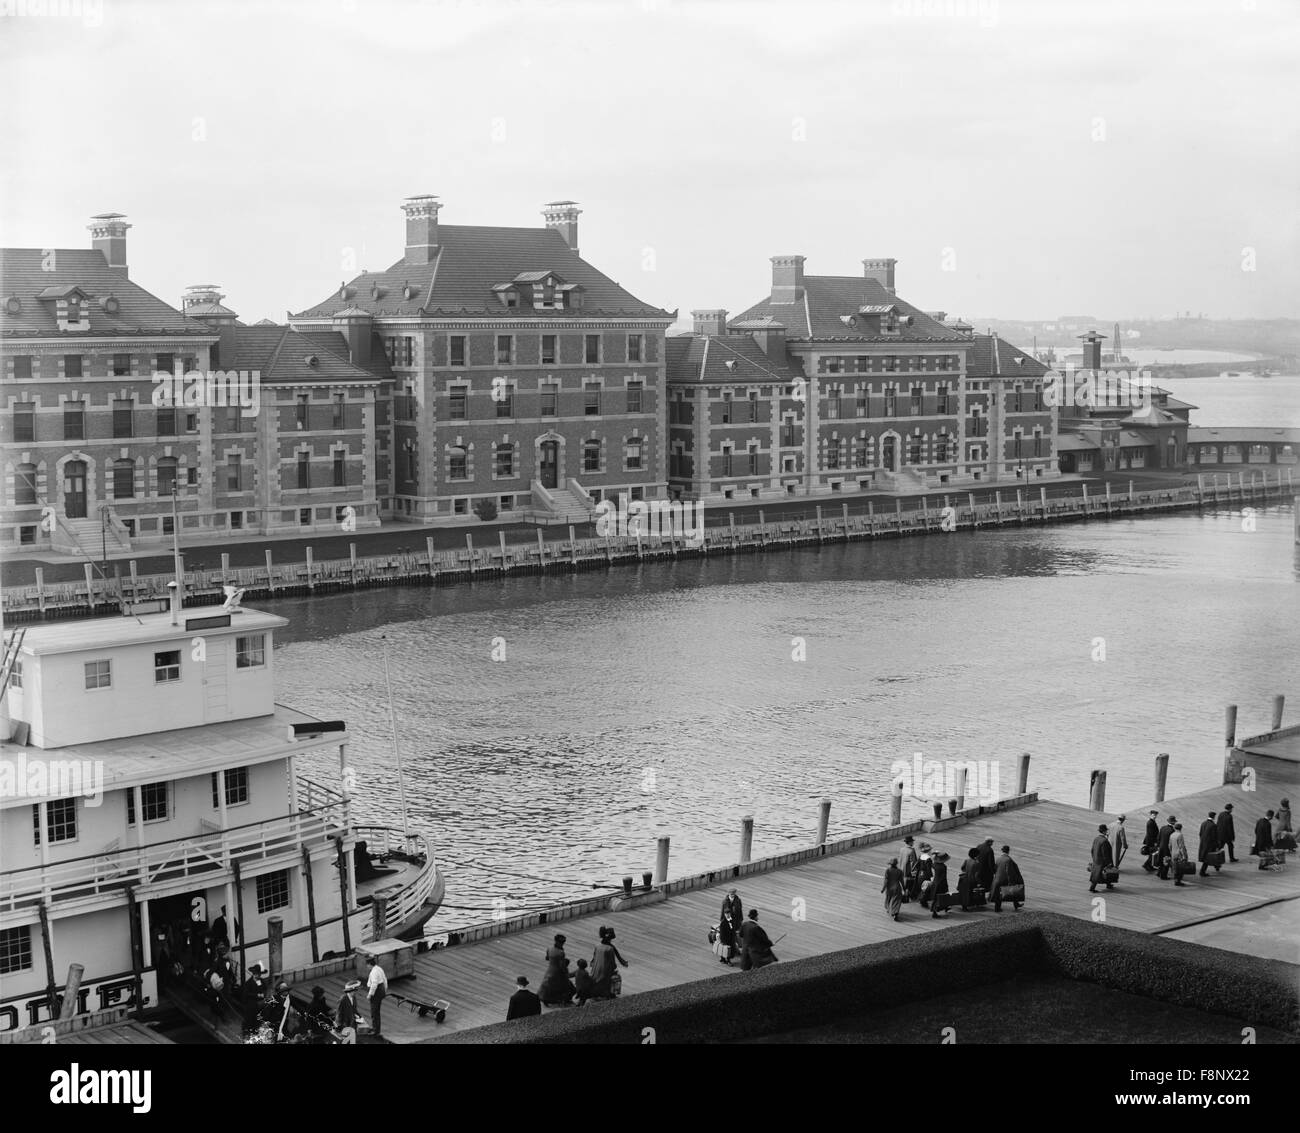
<point x="149" y="783"/>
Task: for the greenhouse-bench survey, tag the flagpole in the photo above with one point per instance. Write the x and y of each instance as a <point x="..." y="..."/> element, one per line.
<point x="397" y="750"/>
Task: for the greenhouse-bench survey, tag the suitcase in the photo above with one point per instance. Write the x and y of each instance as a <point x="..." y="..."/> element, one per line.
<point x="1109" y="875"/>
<point x="1214" y="858"/>
<point x="946" y="901"/>
<point x="1182" y="868"/>
<point x="1013" y="893"/>
<point x="979" y="896"/>
<point x="1284" y="842"/>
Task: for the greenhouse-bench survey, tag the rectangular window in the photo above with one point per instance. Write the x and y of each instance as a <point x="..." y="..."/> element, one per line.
<point x="834" y="365"/>
<point x="635" y="346"/>
<point x="833" y="455"/>
<point x="123" y="479"/>
<point x="22" y="367"/>
<point x="99" y="674"/>
<point x="941" y="450"/>
<point x="24" y="421"/>
<point x="726" y="462"/>
<point x="250" y="651"/>
<point x="60" y="821"/>
<point x="74" y="420"/>
<point x="891" y="403"/>
<point x="121" y="365"/>
<point x="1038" y="444"/>
<point x="505" y="349"/>
<point x="861" y="408"/>
<point x="236" y="786"/>
<point x="304" y="470"/>
<point x="390" y="349"/>
<point x="753" y="462"/>
<point x="591" y="456"/>
<point x="891" y="364"/>
<point x="913" y="451"/>
<point x="459" y="396"/>
<point x="16" y="674"/>
<point x="941" y="402"/>
<point x="164" y="363"/>
<point x="787" y="435"/>
<point x="123" y="417"/>
<point x="505" y="399"/>
<point x="1016" y="446"/>
<point x="338" y="417"/>
<point x="507" y="503"/>
<point x="340" y="469"/>
<point x="408" y="350"/>
<point x="234" y="473"/>
<point x="165" y="422"/>
<point x="457" y="467"/>
<point x="726" y="408"/>
<point x="591" y="349"/>
<point x="153" y="801"/>
<point x="72" y="366"/>
<point x="168" y="525"/>
<point x="15" y="949"/>
<point x="634" y="397"/>
<point x="550" y="399"/>
<point x="167" y="666"/>
<point x="300" y="411"/>
<point x="632" y="455"/>
<point x="304" y="517"/>
<point x="591" y="403"/>
<point x="833" y="406"/>
<point x="273" y="891"/>
<point x="917" y="402"/>
<point x="549" y="342"/>
<point x="505" y="460"/>
<point x="860" y="454"/>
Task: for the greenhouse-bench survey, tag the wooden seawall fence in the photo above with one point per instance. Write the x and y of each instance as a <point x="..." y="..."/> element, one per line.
<point x="831" y="524"/>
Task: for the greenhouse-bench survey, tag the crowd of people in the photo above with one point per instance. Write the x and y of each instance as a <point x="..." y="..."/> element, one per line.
<point x="601" y="979"/>
<point x="920" y="874"/>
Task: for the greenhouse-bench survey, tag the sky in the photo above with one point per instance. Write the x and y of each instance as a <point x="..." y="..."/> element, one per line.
<point x="1019" y="158"/>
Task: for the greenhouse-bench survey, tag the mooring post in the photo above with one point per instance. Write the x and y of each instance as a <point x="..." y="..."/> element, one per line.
<point x="1085" y="499"/>
<point x="762" y="529"/>
<point x="501" y="535"/>
<point x="961" y="787"/>
<point x="731" y="525"/>
<point x="823" y="821"/>
<point x="898" y="513"/>
<point x="1279" y="702"/>
<point x="1231" y="766"/>
<point x="225" y="570"/>
<point x="541" y="547"/>
<point x="270" y="572"/>
<point x="871" y="518"/>
<point x="352" y="560"/>
<point x="844" y="510"/>
<point x="1130" y="493"/>
<point x="1162" y="775"/>
<point x="970" y="497"/>
<point x="88" y="570"/>
<point x="746" y="838"/>
<point x="469" y="546"/>
<point x="661" y="861"/>
<point x="1022" y="774"/>
<point x="896" y="802"/>
<point x="428" y="552"/>
<point x="1108" y="500"/>
<point x="1097" y="799"/>
<point x="1020" y="505"/>
<point x="819" y="523"/>
<point x="1200" y="489"/>
<point x="997" y="503"/>
<point x="1042" y="498"/>
<point x="311" y="582"/>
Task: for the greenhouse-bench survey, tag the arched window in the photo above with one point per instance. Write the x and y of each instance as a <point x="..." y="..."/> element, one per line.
<point x="123" y="479"/>
<point x="457" y="465"/>
<point x="25" y="484"/>
<point x="166" y="476"/>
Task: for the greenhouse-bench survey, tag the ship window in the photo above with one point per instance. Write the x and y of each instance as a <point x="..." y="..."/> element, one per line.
<point x="273" y="891"/>
<point x="99" y="674"/>
<point x="60" y="821"/>
<point x="167" y="666"/>
<point x="15" y="949"/>
<point x="236" y="786"/>
<point x="16" y="675"/>
<point x="153" y="799"/>
<point x="250" y="651"/>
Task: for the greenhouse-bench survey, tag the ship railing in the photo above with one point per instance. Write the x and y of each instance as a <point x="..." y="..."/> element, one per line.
<point x="204" y="855"/>
<point x="405" y="902"/>
<point x="313" y="795"/>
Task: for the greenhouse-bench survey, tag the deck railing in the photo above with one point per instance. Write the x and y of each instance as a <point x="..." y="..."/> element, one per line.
<point x="407" y="901"/>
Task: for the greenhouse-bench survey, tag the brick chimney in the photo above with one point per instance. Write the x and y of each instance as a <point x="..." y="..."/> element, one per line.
<point x="710" y="322"/>
<point x="1092" y="350"/>
<point x="355" y="325"/>
<point x="882" y="271"/>
<point x="108" y="235"/>
<point x="787" y="279"/>
<point x="421" y="229"/>
<point x="563" y="217"/>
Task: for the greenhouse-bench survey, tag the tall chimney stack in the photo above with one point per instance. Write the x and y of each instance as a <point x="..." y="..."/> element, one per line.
<point x="882" y="271"/>
<point x="563" y="217"/>
<point x="713" y="321"/>
<point x="421" y="228"/>
<point x="108" y="235"/>
<point x="787" y="279"/>
<point x="356" y="326"/>
<point x="1092" y="350"/>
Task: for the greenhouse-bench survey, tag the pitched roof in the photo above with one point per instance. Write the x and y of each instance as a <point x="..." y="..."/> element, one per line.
<point x="282" y="356"/>
<point x="470" y="261"/>
<point x="828" y="299"/>
<point x="704" y="359"/>
<point x="23" y="277"/>
<point x="1258" y="434"/>
<point x="993" y="357"/>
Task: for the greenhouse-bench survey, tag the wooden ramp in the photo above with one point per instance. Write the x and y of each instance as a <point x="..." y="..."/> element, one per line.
<point x="127" y="1033"/>
<point x="834" y="902"/>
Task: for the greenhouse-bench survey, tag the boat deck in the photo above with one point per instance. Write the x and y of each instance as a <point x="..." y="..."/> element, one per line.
<point x="839" y="896"/>
<point x="127" y="1033"/>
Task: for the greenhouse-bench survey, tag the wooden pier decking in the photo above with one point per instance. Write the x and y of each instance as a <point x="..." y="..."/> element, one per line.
<point x="839" y="898"/>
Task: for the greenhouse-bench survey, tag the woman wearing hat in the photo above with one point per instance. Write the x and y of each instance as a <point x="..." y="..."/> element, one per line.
<point x="733" y="916"/>
<point x="893" y="888"/>
<point x="939" y="886"/>
<point x="925" y="874"/>
<point x="603" y="961"/>
<point x="557" y="987"/>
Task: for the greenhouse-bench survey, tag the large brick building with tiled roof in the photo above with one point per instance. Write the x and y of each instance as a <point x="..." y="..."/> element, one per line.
<point x="522" y="375"/>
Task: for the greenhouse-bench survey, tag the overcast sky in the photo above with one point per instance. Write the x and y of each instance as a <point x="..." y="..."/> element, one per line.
<point x="1021" y="159"/>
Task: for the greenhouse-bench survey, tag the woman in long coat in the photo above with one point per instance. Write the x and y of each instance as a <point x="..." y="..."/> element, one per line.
<point x="603" y="961"/>
<point x="940" y="886"/>
<point x="733" y="916"/>
<point x="893" y="888"/>
<point x="1102" y="859"/>
<point x="557" y="987"/>
<point x="925" y="875"/>
<point x="1177" y="851"/>
<point x="969" y="878"/>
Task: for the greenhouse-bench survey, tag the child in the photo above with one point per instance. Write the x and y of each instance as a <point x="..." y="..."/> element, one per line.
<point x="583" y="983"/>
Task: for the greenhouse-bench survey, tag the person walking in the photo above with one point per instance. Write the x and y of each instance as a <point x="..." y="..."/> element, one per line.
<point x="220" y="933"/>
<point x="1150" y="841"/>
<point x="987" y="864"/>
<point x="1263" y="835"/>
<point x="1119" y="840"/>
<point x="908" y="861"/>
<point x="582" y="984"/>
<point x="1005" y="876"/>
<point x="939" y="885"/>
<point x="1102" y="860"/>
<point x="755" y="947"/>
<point x="523" y="1003"/>
<point x="1209" y="844"/>
<point x="345" y="1015"/>
<point x="1178" y="853"/>
<point x="968" y="879"/>
<point x="376" y="989"/>
<point x="557" y="987"/>
<point x="1283" y="832"/>
<point x="604" y="961"/>
<point x="733" y="916"/>
<point x="1284" y="817"/>
<point x="1162" y="848"/>
<point x="925" y="874"/>
<point x="1227" y="832"/>
<point x="893" y="888"/>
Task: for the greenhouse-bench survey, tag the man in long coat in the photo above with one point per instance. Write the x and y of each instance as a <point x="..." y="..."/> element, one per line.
<point x="1149" y="841"/>
<point x="1209" y="843"/>
<point x="523" y="1003"/>
<point x="985" y="864"/>
<point x="907" y="862"/>
<point x="1227" y="832"/>
<point x="1119" y="840"/>
<point x="1263" y="834"/>
<point x="1162" y="848"/>
<point x="1007" y="873"/>
<point x="1102" y="860"/>
<point x="756" y="948"/>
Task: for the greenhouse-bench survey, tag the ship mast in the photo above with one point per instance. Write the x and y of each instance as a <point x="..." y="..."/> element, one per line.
<point x="397" y="749"/>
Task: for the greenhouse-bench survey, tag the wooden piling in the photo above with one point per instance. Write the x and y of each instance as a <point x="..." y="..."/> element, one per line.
<point x="469" y="546"/>
<point x="1108" y="501"/>
<point x="379" y="916"/>
<point x="311" y="582"/>
<point x="661" y="861"/>
<point x="311" y="903"/>
<point x="1279" y="702"/>
<point x="70" y="992"/>
<point x="1020" y="505"/>
<point x="819" y="523"/>
<point x="746" y="838"/>
<point x="1022" y="774"/>
<point x="40" y="590"/>
<point x="352" y="556"/>
<point x="1085" y="500"/>
<point x="896" y="803"/>
<point x="428" y="551"/>
<point x="270" y="573"/>
<point x="541" y="548"/>
<point x="505" y="560"/>
<point x="1162" y="775"/>
<point x="997" y="503"/>
<point x="1097" y="792"/>
<point x="573" y="547"/>
<point x="823" y="821"/>
<point x="1200" y="489"/>
<point x="89" y="572"/>
<point x="970" y="497"/>
<point x="871" y="518"/>
<point x="961" y="787"/>
<point x="225" y="571"/>
<point x="1042" y="499"/>
<point x="762" y="529"/>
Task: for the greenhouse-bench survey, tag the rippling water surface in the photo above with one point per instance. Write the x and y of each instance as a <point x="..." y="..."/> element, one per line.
<point x="664" y="699"/>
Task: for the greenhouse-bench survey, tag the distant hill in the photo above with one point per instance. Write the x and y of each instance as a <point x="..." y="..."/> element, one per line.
<point x="1273" y="337"/>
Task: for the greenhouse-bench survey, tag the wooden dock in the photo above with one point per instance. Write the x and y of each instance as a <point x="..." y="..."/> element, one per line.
<point x="831" y="902"/>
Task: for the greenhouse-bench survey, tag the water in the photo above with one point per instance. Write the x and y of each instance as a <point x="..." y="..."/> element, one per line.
<point x="663" y="699"/>
<point x="1240" y="401"/>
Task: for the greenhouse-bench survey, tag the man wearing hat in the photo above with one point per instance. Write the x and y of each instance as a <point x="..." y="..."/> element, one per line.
<point x="254" y="992"/>
<point x="523" y="1003"/>
<point x="1102" y="860"/>
<point x="1206" y="852"/>
<point x="986" y="864"/>
<point x="1119" y="840"/>
<point x="1150" y="839"/>
<point x="345" y="1017"/>
<point x="1162" y="848"/>
<point x="1227" y="832"/>
<point x="376" y="989"/>
<point x="907" y="861"/>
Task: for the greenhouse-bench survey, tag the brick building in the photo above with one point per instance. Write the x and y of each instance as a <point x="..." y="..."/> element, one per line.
<point x="1006" y="411"/>
<point x="522" y="376"/>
